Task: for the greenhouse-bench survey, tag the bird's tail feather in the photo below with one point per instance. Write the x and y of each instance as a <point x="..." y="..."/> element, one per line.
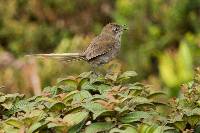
<point x="67" y="57"/>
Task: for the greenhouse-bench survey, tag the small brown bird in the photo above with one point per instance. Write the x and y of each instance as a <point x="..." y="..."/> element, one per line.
<point x="102" y="49"/>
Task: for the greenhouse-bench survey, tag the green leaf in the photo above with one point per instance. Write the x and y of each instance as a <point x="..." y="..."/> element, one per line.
<point x="54" y="122"/>
<point x="52" y="90"/>
<point x="33" y="128"/>
<point x="135" y="86"/>
<point x="57" y="106"/>
<point x="134" y="116"/>
<point x="7" y="105"/>
<point x="14" y="122"/>
<point x="2" y="99"/>
<point x="125" y="128"/>
<point x="76" y="128"/>
<point x="65" y="80"/>
<point x="102" y="88"/>
<point x="197" y="129"/>
<point x="189" y="112"/>
<point x="20" y="105"/>
<point x="87" y="86"/>
<point x="151" y="129"/>
<point x="167" y="70"/>
<point x="180" y="125"/>
<point x="69" y="96"/>
<point x="126" y="75"/>
<point x="184" y="63"/>
<point x="98" y="127"/>
<point x="96" y="108"/>
<point x="168" y="129"/>
<point x="193" y="120"/>
<point x="137" y="100"/>
<point x="111" y="76"/>
<point x="158" y="97"/>
<point x="75" y="118"/>
<point x="80" y="96"/>
<point x="34" y="115"/>
<point x="70" y="83"/>
<point x="8" y="129"/>
<point x="85" y="74"/>
<point x="97" y="79"/>
<point x="15" y="96"/>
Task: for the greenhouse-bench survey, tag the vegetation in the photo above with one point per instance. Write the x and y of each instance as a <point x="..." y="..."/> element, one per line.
<point x="162" y="43"/>
<point x="113" y="104"/>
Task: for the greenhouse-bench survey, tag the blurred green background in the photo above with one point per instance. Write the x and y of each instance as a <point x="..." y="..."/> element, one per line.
<point x="162" y="44"/>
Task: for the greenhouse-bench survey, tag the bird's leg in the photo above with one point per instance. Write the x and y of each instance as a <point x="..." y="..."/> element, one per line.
<point x="94" y="71"/>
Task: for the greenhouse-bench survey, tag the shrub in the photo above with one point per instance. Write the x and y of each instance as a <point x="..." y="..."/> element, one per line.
<point x="91" y="104"/>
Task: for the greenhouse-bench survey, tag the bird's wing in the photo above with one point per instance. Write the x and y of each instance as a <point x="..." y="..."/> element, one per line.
<point x="99" y="46"/>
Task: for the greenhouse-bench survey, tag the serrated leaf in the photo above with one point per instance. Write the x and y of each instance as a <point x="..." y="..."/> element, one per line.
<point x="98" y="127"/>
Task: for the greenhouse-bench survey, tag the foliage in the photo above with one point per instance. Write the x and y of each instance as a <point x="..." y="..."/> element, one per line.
<point x="92" y="104"/>
<point x="162" y="43"/>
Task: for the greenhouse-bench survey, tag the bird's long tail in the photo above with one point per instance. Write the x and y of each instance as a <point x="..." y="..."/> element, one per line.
<point x="67" y="57"/>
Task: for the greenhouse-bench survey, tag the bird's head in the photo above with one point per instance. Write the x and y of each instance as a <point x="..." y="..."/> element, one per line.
<point x="114" y="29"/>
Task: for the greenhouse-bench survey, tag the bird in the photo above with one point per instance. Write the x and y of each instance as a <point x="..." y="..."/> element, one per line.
<point x="101" y="50"/>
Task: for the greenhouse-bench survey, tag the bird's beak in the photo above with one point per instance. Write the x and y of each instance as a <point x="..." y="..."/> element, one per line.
<point x="125" y="27"/>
